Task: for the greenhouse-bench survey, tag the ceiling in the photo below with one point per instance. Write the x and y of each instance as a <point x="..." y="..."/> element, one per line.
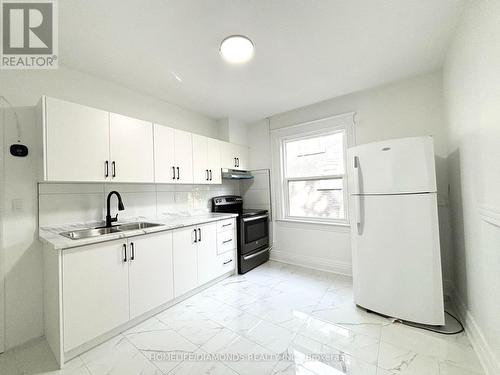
<point x="306" y="50"/>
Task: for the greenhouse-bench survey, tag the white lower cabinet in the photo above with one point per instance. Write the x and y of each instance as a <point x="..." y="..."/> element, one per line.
<point x="95" y="291"/>
<point x="185" y="260"/>
<point x="207" y="253"/>
<point x="150" y="272"/>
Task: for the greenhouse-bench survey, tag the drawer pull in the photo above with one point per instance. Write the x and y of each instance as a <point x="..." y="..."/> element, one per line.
<point x="226" y="225"/>
<point x="226" y="241"/>
<point x="227" y="262"/>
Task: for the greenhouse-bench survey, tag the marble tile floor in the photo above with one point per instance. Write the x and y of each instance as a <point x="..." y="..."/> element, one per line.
<point x="276" y="319"/>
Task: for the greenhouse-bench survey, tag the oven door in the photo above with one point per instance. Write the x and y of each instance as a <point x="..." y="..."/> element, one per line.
<point x="254" y="233"/>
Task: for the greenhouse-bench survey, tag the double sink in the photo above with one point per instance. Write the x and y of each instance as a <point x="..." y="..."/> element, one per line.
<point x="101" y="231"/>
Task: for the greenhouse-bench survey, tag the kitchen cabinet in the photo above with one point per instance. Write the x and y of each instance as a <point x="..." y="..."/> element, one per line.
<point x="234" y="156"/>
<point x="150" y="272"/>
<point x="206" y="160"/>
<point x="131" y="149"/>
<point x="173" y="155"/>
<point x="95" y="291"/>
<point x="207" y="252"/>
<point x="214" y="160"/>
<point x="195" y="256"/>
<point x="75" y="141"/>
<point x="185" y="260"/>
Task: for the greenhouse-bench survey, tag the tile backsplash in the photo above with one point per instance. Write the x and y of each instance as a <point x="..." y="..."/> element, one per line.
<point x="79" y="202"/>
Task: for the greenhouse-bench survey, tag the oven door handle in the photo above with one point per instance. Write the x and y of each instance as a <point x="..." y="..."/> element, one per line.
<point x="255" y="218"/>
<point x="256" y="254"/>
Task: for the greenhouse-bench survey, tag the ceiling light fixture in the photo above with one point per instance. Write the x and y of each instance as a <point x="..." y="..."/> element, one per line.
<point x="237" y="49"/>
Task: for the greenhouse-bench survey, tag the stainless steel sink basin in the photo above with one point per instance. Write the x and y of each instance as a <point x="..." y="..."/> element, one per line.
<point x="135" y="226"/>
<point x="96" y="232"/>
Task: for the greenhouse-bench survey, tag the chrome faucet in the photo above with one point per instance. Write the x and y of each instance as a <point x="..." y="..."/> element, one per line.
<point x="110" y="219"/>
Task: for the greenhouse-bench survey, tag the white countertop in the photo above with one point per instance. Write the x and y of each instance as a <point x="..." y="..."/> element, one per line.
<point x="51" y="235"/>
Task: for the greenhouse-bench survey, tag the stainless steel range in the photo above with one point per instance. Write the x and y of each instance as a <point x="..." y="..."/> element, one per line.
<point x="253" y="231"/>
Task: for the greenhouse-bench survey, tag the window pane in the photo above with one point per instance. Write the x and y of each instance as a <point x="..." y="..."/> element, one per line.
<point x="321" y="199"/>
<point x="317" y="156"/>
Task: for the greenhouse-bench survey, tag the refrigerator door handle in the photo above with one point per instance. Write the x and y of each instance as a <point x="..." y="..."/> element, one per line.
<point x="357" y="191"/>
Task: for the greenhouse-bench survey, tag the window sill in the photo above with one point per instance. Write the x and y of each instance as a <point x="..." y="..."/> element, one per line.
<point x="314" y="222"/>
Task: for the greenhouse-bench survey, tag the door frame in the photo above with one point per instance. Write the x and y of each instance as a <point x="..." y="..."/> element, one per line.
<point x="3" y="124"/>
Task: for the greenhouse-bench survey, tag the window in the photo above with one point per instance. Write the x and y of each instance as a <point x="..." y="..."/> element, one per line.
<point x="312" y="170"/>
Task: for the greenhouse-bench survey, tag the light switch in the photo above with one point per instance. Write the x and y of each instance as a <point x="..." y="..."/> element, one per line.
<point x="17" y="205"/>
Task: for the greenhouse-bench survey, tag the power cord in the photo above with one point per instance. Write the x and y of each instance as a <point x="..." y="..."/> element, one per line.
<point x="436" y="330"/>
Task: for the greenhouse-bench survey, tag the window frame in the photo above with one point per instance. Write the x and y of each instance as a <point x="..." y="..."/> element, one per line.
<point x="326" y="126"/>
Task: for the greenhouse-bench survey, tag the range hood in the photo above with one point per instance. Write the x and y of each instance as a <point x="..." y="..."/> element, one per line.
<point x="233" y="174"/>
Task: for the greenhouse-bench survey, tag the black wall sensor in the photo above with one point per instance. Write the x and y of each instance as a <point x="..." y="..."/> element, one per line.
<point x="18" y="150"/>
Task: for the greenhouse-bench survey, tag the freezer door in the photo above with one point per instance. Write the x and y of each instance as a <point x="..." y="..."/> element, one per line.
<point x="396" y="257"/>
<point x="395" y="166"/>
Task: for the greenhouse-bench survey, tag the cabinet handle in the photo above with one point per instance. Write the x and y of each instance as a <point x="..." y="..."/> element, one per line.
<point x="227" y="262"/>
<point x="178" y="174"/>
<point x="206" y="174"/>
<point x="173" y="172"/>
<point x="113" y="169"/>
<point x="106" y="169"/>
<point x="226" y="225"/>
<point x="195" y="236"/>
<point x="210" y="174"/>
<point x="235" y="162"/>
<point x="199" y="232"/>
<point x="238" y="161"/>
<point x="132" y="248"/>
<point x="226" y="241"/>
<point x="125" y="252"/>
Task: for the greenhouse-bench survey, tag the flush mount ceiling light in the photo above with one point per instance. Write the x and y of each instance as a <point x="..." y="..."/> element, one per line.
<point x="236" y="49"/>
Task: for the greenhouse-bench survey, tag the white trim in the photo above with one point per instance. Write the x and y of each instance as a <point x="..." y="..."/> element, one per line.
<point x="3" y="324"/>
<point x="342" y="122"/>
<point x="316" y="263"/>
<point x="485" y="353"/>
<point x="319" y="224"/>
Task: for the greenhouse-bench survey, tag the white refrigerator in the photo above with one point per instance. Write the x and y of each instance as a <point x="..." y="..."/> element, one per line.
<point x="394" y="229"/>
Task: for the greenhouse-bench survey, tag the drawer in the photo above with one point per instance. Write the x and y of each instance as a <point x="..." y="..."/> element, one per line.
<point x="226" y="241"/>
<point x="224" y="225"/>
<point x="226" y="263"/>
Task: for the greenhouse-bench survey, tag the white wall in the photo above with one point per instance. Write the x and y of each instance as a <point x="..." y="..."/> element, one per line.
<point x="472" y="97"/>
<point x="21" y="255"/>
<point x="411" y="107"/>
<point x="232" y="130"/>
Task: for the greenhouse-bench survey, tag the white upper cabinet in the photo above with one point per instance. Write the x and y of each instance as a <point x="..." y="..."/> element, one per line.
<point x="201" y="174"/>
<point x="84" y="144"/>
<point x="206" y="160"/>
<point x="214" y="165"/>
<point x="234" y="156"/>
<point x="131" y="149"/>
<point x="173" y="155"/>
<point x="76" y="141"/>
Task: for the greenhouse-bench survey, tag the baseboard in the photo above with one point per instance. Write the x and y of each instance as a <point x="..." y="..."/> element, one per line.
<point x="486" y="357"/>
<point x="317" y="263"/>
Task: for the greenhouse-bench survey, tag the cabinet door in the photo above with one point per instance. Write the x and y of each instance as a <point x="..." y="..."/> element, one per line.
<point x="214" y="160"/>
<point x="95" y="291"/>
<point x="184" y="156"/>
<point x="241" y="153"/>
<point x="151" y="272"/>
<point x="131" y="149"/>
<point x="185" y="260"/>
<point x="164" y="152"/>
<point x="76" y="142"/>
<point x="200" y="159"/>
<point x="228" y="157"/>
<point x="207" y="253"/>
